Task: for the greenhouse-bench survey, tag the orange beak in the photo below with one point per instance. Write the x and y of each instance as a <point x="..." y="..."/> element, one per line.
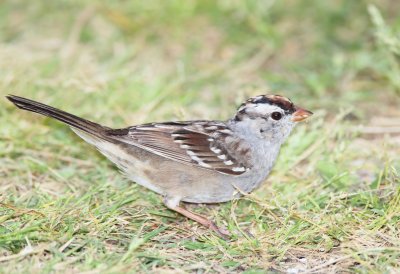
<point x="301" y="114"/>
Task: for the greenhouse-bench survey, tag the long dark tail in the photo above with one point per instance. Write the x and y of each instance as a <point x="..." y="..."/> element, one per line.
<point x="65" y="117"/>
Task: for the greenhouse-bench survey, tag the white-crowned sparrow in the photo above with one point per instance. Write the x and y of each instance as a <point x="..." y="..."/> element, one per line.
<point x="193" y="161"/>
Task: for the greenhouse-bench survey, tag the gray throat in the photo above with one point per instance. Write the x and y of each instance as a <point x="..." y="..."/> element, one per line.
<point x="264" y="150"/>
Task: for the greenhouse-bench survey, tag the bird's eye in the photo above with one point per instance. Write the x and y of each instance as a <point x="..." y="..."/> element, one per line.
<point x="276" y="115"/>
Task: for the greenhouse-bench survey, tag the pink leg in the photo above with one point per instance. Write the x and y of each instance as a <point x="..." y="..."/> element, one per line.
<point x="200" y="219"/>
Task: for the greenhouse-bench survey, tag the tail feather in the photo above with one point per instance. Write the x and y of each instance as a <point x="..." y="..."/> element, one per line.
<point x="65" y="117"/>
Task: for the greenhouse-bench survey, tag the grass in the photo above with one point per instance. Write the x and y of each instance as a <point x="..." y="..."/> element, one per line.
<point x="333" y="201"/>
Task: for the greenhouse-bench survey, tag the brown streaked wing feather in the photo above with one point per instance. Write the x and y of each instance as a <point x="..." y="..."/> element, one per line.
<point x="198" y="143"/>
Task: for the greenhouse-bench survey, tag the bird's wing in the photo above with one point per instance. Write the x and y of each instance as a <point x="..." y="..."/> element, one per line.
<point x="204" y="144"/>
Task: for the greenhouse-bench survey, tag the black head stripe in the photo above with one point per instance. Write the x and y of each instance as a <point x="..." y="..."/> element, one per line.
<point x="260" y="100"/>
<point x="277" y="100"/>
<point x="240" y="114"/>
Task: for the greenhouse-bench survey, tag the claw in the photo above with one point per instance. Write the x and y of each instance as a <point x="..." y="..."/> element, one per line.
<point x="223" y="233"/>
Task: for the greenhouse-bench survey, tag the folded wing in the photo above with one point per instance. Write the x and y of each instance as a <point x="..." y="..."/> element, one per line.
<point x="204" y="144"/>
